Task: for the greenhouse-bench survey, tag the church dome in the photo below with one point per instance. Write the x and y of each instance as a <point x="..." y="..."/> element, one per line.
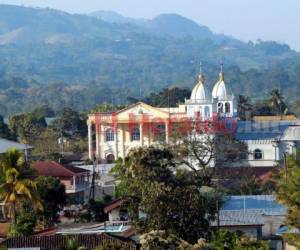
<point x="200" y="91"/>
<point x="220" y="90"/>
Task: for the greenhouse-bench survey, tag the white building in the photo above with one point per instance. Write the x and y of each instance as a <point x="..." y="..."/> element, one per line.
<point x="112" y="135"/>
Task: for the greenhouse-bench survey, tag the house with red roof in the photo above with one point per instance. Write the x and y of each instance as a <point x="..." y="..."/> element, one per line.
<point x="75" y="179"/>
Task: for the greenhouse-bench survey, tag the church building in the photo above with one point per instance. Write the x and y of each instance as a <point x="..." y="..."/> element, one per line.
<point x="112" y="135"/>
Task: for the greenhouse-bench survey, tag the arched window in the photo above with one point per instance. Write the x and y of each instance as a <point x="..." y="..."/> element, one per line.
<point x="109" y="134"/>
<point x="220" y="107"/>
<point x="227" y="107"/>
<point x="110" y="158"/>
<point x="258" y="155"/>
<point x="206" y="111"/>
<point x="135" y="134"/>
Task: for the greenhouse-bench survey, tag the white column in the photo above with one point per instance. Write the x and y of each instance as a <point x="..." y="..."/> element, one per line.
<point x="141" y="135"/>
<point x="101" y="142"/>
<point x="122" y="141"/>
<point x="275" y="144"/>
<point x="97" y="140"/>
<point x="116" y="141"/>
<point x="167" y="131"/>
<point x="90" y="139"/>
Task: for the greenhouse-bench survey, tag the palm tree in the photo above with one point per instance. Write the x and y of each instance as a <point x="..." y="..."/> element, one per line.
<point x="276" y="101"/>
<point x="16" y="182"/>
<point x="244" y="107"/>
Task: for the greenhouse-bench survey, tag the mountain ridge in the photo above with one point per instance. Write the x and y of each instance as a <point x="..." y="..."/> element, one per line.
<point x="41" y="49"/>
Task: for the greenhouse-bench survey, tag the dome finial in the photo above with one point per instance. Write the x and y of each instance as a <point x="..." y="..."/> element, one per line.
<point x="221" y="72"/>
<point x="201" y="77"/>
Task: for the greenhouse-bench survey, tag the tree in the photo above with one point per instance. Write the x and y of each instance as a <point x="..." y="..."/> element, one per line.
<point x="288" y="193"/>
<point x="171" y="198"/>
<point x="4" y="130"/>
<point x="27" y="126"/>
<point x="96" y="208"/>
<point x="16" y="182"/>
<point x="70" y="123"/>
<point x="226" y="240"/>
<point x="159" y="240"/>
<point x="244" y="107"/>
<point x="276" y="102"/>
<point x="53" y="197"/>
<point x="26" y="221"/>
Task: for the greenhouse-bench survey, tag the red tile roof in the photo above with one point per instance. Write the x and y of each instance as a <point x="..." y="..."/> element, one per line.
<point x="112" y="205"/>
<point x="54" y="169"/>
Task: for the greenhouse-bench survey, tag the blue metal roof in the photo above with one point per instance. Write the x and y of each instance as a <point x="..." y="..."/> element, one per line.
<point x="250" y="130"/>
<point x="265" y="203"/>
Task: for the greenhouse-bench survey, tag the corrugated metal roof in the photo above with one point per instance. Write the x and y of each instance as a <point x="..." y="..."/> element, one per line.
<point x="248" y="210"/>
<point x="251" y="130"/>
<point x="7" y="144"/>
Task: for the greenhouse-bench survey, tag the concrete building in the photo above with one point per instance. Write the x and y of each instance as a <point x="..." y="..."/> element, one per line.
<point x="76" y="180"/>
<point x="112" y="135"/>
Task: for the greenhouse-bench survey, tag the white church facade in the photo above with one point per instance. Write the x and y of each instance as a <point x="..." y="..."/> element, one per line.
<point x="112" y="135"/>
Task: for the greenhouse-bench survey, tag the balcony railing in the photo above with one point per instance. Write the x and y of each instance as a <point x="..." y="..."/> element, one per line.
<point x="77" y="187"/>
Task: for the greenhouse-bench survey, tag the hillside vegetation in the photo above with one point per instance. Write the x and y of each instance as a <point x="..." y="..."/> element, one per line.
<point x="53" y="58"/>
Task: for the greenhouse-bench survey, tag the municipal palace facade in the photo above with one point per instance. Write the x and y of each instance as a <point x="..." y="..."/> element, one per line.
<point x="112" y="135"/>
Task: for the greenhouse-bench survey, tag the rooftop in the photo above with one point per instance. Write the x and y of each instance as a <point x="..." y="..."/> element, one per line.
<point x="54" y="169"/>
<point x="7" y="144"/>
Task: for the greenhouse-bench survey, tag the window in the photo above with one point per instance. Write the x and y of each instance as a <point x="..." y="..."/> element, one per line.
<point x="160" y="132"/>
<point x="227" y="107"/>
<point x="220" y="107"/>
<point x="135" y="134"/>
<point x="110" y="159"/>
<point x="109" y="135"/>
<point x="258" y="154"/>
<point x="206" y="111"/>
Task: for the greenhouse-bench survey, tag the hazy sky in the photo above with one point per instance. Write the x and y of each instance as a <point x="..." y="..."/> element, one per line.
<point x="245" y="19"/>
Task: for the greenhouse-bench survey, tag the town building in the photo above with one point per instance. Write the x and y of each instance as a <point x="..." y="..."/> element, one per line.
<point x="76" y="180"/>
<point x="8" y="144"/>
<point x="111" y="135"/>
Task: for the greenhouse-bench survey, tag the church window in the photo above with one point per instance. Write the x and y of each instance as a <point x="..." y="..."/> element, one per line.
<point x="135" y="134"/>
<point x="220" y="107"/>
<point x="206" y="111"/>
<point x="258" y="154"/>
<point x="227" y="107"/>
<point x="109" y="135"/>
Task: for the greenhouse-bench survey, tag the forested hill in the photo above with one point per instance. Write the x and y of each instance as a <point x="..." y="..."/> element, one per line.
<point x="53" y="58"/>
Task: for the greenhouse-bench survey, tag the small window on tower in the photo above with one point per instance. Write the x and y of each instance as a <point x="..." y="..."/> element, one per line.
<point x="227" y="107"/>
<point x="220" y="107"/>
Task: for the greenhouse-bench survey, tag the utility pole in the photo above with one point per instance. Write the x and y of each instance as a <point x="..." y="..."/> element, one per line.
<point x="92" y="189"/>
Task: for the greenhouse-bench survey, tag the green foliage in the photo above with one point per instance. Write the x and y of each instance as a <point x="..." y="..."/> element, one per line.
<point x="168" y="97"/>
<point x="226" y="240"/>
<point x="287" y="192"/>
<point x="96" y="210"/>
<point x="27" y="126"/>
<point x="5" y="131"/>
<point x="26" y="221"/>
<point x="72" y="244"/>
<point x="16" y="183"/>
<point x="53" y="196"/>
<point x="106" y="107"/>
<point x="150" y="180"/>
<point x="109" y="246"/>
<point x="83" y="61"/>
<point x="244" y="108"/>
<point x="159" y="240"/>
<point x="70" y="123"/>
